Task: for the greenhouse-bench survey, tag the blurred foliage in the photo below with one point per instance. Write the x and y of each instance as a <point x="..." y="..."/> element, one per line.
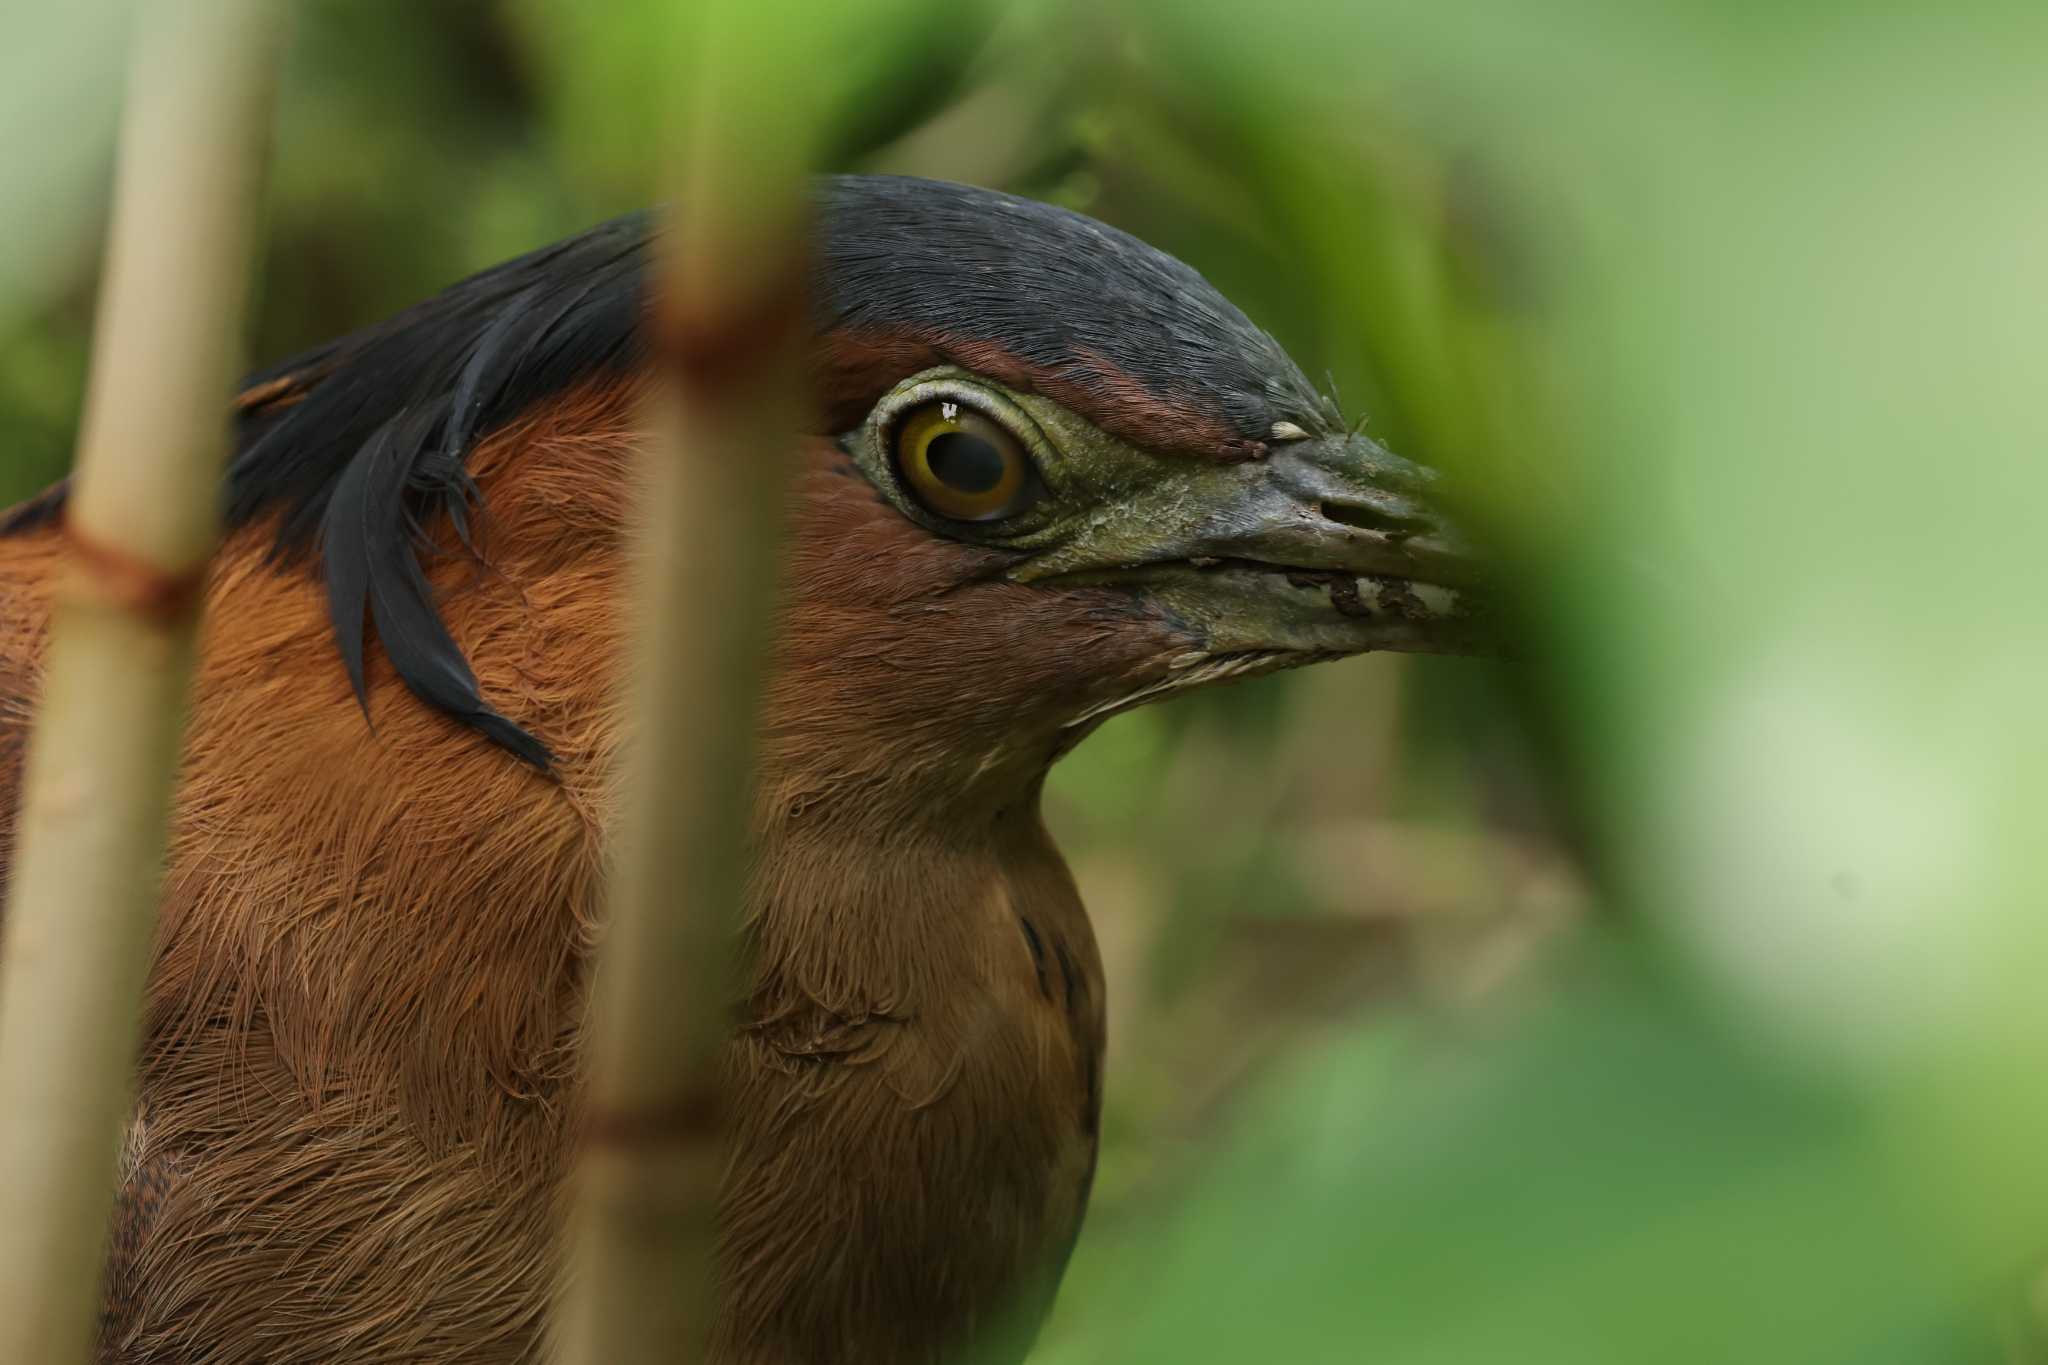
<point x="1724" y="321"/>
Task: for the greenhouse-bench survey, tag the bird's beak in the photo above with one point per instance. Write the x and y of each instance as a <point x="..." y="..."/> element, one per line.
<point x="1330" y="545"/>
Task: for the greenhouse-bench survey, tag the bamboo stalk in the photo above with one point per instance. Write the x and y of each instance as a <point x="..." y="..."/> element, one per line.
<point x="729" y="324"/>
<point x="141" y="524"/>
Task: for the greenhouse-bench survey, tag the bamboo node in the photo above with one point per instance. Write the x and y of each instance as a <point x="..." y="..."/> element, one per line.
<point x="682" y="1120"/>
<point x="708" y="350"/>
<point x="117" y="578"/>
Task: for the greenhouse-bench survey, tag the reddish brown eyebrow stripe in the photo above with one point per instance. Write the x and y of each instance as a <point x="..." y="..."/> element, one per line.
<point x="854" y="368"/>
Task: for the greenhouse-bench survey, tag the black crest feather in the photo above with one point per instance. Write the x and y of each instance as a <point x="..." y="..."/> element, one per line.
<point x="364" y="443"/>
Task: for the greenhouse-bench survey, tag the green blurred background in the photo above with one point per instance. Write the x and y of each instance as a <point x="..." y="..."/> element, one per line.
<point x="1669" y="992"/>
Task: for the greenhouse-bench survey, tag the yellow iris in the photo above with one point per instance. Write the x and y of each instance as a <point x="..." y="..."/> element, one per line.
<point x="960" y="464"/>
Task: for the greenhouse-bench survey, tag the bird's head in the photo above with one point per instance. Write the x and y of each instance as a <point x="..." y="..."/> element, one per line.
<point x="1054" y="475"/>
<point x="1071" y="477"/>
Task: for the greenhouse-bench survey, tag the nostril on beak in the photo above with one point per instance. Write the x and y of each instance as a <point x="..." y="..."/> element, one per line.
<point x="1395" y="525"/>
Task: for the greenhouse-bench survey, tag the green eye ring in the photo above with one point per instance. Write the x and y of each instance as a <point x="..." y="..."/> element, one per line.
<point x="961" y="464"/>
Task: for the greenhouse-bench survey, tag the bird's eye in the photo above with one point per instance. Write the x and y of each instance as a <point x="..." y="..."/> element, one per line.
<point x="962" y="465"/>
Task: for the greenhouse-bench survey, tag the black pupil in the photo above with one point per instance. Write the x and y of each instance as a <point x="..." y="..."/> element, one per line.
<point x="964" y="462"/>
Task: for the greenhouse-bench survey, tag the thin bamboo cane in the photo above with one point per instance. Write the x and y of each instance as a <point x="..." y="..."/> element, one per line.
<point x="141" y="523"/>
<point x="729" y="324"/>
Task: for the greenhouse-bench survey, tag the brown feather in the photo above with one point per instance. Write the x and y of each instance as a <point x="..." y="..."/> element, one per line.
<point x="360" y="1068"/>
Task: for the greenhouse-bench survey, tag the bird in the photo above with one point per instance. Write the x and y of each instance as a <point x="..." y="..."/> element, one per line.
<point x="1052" y="474"/>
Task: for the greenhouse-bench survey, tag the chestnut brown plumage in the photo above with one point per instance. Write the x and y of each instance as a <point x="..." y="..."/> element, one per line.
<point x="360" y="1077"/>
